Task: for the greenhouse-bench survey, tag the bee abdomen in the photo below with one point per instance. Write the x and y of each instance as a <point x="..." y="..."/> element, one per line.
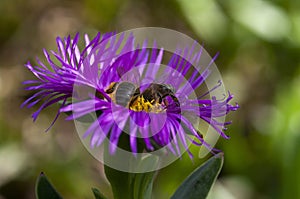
<point x="124" y="93"/>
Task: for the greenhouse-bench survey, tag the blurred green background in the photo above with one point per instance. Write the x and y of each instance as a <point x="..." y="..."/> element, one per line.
<point x="259" y="45"/>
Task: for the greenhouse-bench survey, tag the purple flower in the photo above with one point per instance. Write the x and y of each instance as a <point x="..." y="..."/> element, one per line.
<point x="130" y="91"/>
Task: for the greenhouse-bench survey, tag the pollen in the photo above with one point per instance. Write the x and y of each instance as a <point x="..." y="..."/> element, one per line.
<point x="140" y="104"/>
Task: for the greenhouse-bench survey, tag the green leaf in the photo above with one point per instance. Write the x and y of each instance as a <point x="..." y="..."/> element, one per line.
<point x="44" y="189"/>
<point x="198" y="184"/>
<point x="98" y="194"/>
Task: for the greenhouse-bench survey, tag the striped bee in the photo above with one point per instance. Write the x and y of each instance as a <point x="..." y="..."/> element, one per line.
<point x="152" y="99"/>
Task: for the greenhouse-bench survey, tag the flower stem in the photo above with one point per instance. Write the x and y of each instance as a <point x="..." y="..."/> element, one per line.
<point x="127" y="185"/>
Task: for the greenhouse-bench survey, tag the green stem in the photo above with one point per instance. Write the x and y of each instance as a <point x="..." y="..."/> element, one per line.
<point x="120" y="183"/>
<point x="129" y="185"/>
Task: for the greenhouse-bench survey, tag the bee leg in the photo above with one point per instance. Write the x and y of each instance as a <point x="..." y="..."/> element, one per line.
<point x="112" y="87"/>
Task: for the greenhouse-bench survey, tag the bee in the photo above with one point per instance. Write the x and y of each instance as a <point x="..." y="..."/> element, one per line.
<point x="153" y="98"/>
<point x="122" y="92"/>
